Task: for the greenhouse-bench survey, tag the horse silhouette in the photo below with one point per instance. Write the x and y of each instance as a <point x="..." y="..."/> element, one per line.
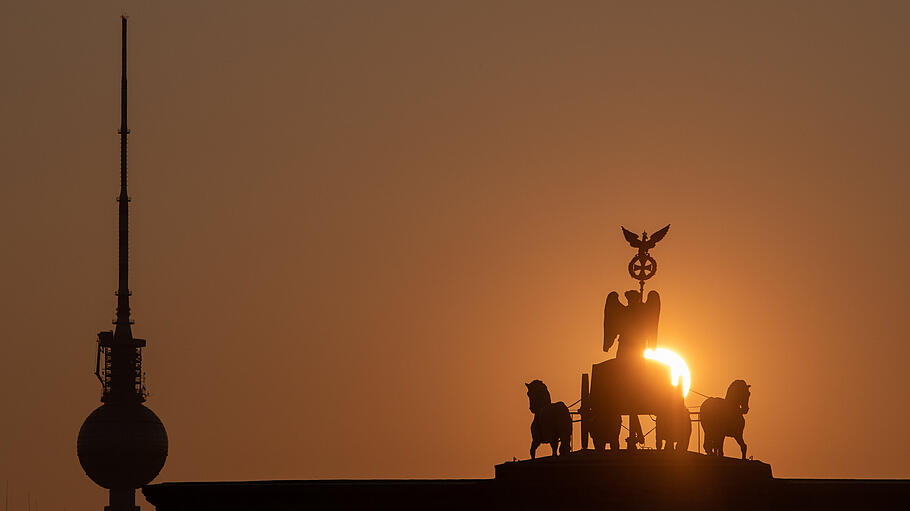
<point x="721" y="418"/>
<point x="552" y="423"/>
<point x="674" y="427"/>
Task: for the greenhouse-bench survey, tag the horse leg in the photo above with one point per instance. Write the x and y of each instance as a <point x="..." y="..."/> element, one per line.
<point x="554" y="447"/>
<point x="631" y="444"/>
<point x="565" y="446"/>
<point x="565" y="434"/>
<point x="682" y="445"/>
<point x="685" y="434"/>
<point x="659" y="434"/>
<point x="565" y="442"/>
<point x="614" y="424"/>
<point x="742" y="444"/>
<point x="534" y="445"/>
<point x="635" y="435"/>
<point x="720" y="445"/>
<point x="711" y="444"/>
<point x="597" y="437"/>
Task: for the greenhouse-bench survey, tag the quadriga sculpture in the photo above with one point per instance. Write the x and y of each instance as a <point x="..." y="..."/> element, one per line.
<point x="552" y="423"/>
<point x="721" y="418"/>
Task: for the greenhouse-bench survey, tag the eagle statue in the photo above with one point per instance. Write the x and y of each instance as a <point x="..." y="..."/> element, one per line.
<point x="644" y="243"/>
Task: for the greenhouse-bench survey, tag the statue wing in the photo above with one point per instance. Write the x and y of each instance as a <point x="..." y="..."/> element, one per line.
<point x="632" y="238"/>
<point x="657" y="236"/>
<point x="613" y="312"/>
<point x="651" y="316"/>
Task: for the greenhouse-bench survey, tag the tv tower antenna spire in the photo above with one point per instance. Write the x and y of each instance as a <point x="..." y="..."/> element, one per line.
<point x="123" y="322"/>
<point x="122" y="445"/>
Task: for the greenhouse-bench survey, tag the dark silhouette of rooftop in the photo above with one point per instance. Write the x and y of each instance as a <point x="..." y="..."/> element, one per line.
<point x="643" y="479"/>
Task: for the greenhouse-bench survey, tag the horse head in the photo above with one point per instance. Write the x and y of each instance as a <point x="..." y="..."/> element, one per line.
<point x="538" y="395"/>
<point x="738" y="393"/>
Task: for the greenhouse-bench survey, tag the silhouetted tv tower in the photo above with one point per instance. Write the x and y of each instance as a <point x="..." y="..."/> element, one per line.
<point x="122" y="445"/>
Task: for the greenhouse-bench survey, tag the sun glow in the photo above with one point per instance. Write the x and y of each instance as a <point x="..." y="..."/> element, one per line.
<point x="678" y="367"/>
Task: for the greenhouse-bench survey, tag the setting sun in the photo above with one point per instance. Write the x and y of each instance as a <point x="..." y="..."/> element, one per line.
<point x="678" y="367"/>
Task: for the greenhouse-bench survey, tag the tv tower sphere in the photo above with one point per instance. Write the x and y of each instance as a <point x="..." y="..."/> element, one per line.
<point x="122" y="445"/>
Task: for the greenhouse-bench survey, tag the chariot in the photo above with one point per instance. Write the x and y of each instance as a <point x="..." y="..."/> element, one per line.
<point x="619" y="387"/>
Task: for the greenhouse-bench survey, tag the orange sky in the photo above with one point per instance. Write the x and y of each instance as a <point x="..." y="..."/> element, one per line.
<point x="358" y="228"/>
